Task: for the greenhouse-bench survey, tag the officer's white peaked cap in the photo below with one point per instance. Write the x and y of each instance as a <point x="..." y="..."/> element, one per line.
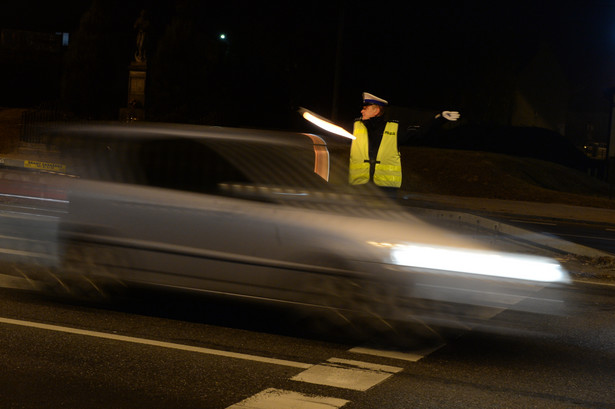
<point x="370" y="99"/>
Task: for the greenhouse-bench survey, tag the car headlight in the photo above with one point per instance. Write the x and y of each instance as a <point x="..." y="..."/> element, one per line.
<point x="487" y="263"/>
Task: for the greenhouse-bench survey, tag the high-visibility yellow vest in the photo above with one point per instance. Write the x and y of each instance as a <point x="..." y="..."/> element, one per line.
<point x="387" y="172"/>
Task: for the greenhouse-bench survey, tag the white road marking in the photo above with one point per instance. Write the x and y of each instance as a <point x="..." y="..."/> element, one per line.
<point x="586" y="237"/>
<point x="533" y="222"/>
<point x="280" y="399"/>
<point x="411" y="356"/>
<point x="348" y="374"/>
<point x="592" y="282"/>
<point x="151" y="342"/>
<point x="46" y="199"/>
<point x="22" y="283"/>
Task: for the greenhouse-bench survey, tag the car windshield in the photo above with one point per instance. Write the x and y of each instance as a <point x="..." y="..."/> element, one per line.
<point x="226" y="164"/>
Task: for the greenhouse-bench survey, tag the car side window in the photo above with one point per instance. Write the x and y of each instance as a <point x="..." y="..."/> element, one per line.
<point x="225" y="166"/>
<point x="172" y="163"/>
<point x="185" y="164"/>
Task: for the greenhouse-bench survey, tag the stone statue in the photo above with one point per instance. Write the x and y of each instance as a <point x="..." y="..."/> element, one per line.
<point x="141" y="25"/>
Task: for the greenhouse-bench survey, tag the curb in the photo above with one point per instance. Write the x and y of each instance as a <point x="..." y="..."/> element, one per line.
<point x="499" y="207"/>
<point x="32" y="164"/>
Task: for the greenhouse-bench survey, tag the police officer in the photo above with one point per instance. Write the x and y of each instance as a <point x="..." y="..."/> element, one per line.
<point x="374" y="154"/>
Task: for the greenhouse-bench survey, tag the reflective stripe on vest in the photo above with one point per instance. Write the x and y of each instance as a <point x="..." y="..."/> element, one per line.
<point x="388" y="167"/>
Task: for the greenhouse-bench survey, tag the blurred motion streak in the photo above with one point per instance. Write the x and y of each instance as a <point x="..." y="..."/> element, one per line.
<point x="261" y="215"/>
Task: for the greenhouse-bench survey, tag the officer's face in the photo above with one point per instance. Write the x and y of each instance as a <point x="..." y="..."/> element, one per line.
<point x="369" y="111"/>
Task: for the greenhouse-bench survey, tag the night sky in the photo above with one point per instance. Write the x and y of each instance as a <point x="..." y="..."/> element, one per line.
<point x="414" y="55"/>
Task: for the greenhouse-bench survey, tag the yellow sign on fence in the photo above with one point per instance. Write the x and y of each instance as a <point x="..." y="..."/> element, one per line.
<point x="35" y="164"/>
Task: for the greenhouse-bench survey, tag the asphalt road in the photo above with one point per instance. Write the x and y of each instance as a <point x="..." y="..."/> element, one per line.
<point x="158" y="349"/>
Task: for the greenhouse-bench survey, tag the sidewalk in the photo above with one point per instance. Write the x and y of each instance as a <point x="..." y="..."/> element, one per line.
<point x="479" y="216"/>
<point x="483" y="214"/>
<point x="546" y="211"/>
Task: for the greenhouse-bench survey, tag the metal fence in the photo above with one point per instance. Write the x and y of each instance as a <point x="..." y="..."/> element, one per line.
<point x="33" y="122"/>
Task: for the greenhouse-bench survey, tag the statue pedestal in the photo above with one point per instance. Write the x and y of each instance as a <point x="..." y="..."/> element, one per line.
<point x="135" y="109"/>
<point x="132" y="114"/>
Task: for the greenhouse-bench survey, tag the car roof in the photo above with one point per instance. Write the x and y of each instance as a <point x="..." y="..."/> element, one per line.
<point x="258" y="153"/>
<point x="161" y="130"/>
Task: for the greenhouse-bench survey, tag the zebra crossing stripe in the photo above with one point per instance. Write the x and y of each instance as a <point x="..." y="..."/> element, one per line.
<point x="348" y="374"/>
<point x="411" y="356"/>
<point x="280" y="399"/>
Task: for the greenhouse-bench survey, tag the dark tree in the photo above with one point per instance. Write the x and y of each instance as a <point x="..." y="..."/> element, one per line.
<point x="182" y="83"/>
<point x="95" y="75"/>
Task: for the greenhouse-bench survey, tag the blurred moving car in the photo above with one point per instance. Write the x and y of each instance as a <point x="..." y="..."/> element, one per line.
<point x="267" y="216"/>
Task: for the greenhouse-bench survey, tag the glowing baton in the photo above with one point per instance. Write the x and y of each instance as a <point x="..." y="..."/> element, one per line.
<point x="324" y="124"/>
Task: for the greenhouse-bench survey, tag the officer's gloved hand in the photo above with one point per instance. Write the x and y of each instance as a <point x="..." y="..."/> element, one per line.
<point x="451" y="115"/>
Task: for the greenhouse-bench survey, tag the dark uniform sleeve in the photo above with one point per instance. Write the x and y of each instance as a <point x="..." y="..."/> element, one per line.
<point x="418" y="134"/>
